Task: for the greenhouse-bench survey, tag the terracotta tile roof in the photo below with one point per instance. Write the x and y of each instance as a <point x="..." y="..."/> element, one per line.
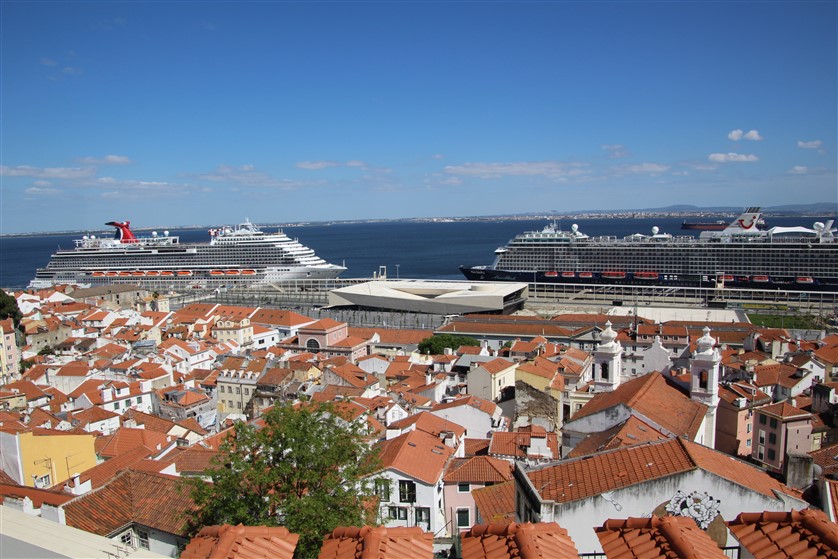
<point x="478" y="469"/>
<point x="377" y="543"/>
<point x="784" y="410"/>
<point x="630" y="432"/>
<point x="102" y="473"/>
<point x="580" y="478"/>
<point x="515" y="443"/>
<point x="323" y="325"/>
<point x="429" y="423"/>
<point x="826" y="458"/>
<point x="241" y="542"/>
<point x="669" y="537"/>
<point x="126" y="438"/>
<point x="192" y="460"/>
<point x="476" y="447"/>
<point x="526" y="328"/>
<point x="415" y="454"/>
<point x="793" y="535"/>
<point x="519" y="541"/>
<point x="154" y="500"/>
<point x="391" y="335"/>
<point x="279" y="318"/>
<point x="496" y="503"/>
<point x="497" y="365"/>
<point x="654" y="398"/>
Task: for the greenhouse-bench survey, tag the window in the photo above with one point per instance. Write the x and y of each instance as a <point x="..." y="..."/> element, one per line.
<point x="749" y="427"/>
<point x="43" y="482"/>
<point x="771" y="454"/>
<point x="238" y="390"/>
<point x="772" y="438"/>
<point x="748" y="443"/>
<point x="127" y="538"/>
<point x="762" y="419"/>
<point x="773" y="422"/>
<point x="463" y="519"/>
<point x="407" y="491"/>
<point x="604" y="369"/>
<point x="239" y="405"/>
<point x="423" y="517"/>
<point x="398" y="513"/>
<point x="382" y="489"/>
<point x="760" y="452"/>
<point x="463" y="488"/>
<point x="139" y="400"/>
<point x="761" y="436"/>
<point x="142" y="538"/>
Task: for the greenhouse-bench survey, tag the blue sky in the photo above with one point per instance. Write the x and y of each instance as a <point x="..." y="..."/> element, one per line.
<point x="179" y="113"/>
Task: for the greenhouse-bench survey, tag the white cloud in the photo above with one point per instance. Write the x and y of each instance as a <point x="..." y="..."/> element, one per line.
<point x="616" y="150"/>
<point x="549" y="169"/>
<point x="71" y="71"/>
<point x="732" y="158"/>
<point x="36" y="191"/>
<point x="48" y="62"/>
<point x="814" y="144"/>
<point x="317" y="165"/>
<point x="42" y="183"/>
<point x="652" y="168"/>
<point x="246" y="175"/>
<point x="799" y="170"/>
<point x="47" y="172"/>
<point x="107" y="160"/>
<point x="738" y="134"/>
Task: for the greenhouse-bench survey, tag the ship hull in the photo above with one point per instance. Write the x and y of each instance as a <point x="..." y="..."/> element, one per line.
<point x="486" y="273"/>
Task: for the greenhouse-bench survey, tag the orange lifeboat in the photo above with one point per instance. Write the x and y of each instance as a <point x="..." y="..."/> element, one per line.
<point x="167" y="273"/>
<point x="216" y="273"/>
<point x="124" y="274"/>
<point x="761" y="279"/>
<point x="586" y="275"/>
<point x="568" y="274"/>
<point x="248" y="272"/>
<point x="646" y="275"/>
<point x="137" y="273"/>
<point x="152" y="273"/>
<point x="614" y="274"/>
<point x="184" y="273"/>
<point x="98" y="274"/>
<point x="805" y="280"/>
<point x="232" y="272"/>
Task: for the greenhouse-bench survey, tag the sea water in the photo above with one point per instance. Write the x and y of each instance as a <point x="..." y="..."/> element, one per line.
<point x="408" y="249"/>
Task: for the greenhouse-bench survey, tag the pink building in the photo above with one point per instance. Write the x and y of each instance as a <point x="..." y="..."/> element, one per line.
<point x="779" y="429"/>
<point x="735" y="417"/>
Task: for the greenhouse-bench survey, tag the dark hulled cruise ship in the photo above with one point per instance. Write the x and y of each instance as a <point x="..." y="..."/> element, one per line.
<point x="741" y="255"/>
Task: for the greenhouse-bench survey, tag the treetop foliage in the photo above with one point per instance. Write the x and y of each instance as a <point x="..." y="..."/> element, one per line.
<point x="305" y="468"/>
<point x="9" y="308"/>
<point x="435" y="345"/>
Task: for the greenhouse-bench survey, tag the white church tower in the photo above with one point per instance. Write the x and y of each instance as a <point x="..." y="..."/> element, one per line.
<point x="704" y="383"/>
<point x="608" y="361"/>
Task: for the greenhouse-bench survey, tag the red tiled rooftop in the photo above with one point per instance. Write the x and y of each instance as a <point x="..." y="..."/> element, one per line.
<point x="670" y="537"/>
<point x="496" y="503"/>
<point x="653" y="397"/>
<point x="519" y="541"/>
<point x="478" y="469"/>
<point x="154" y="500"/>
<point x="377" y="543"/>
<point x="786" y="535"/>
<point x="241" y="542"/>
<point x="579" y="478"/>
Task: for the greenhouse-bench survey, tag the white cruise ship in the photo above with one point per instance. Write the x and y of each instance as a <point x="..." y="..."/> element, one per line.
<point x="237" y="256"/>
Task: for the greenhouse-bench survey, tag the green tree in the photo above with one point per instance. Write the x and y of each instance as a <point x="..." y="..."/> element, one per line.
<point x="9" y="308"/>
<point x="306" y="469"/>
<point x="435" y="345"/>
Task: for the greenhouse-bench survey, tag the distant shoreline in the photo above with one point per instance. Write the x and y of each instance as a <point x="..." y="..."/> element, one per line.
<point x="615" y="214"/>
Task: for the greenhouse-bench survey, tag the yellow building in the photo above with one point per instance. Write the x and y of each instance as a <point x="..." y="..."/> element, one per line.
<point x="45" y="457"/>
